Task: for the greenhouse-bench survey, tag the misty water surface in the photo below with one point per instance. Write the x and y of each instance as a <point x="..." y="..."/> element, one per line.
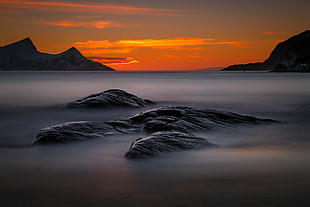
<point x="255" y="166"/>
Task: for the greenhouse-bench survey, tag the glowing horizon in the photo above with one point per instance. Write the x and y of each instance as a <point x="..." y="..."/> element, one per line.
<point x="161" y="35"/>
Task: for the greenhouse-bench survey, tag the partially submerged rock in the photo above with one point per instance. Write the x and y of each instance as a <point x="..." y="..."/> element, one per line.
<point x="169" y="118"/>
<point x="74" y="131"/>
<point x="110" y="98"/>
<point x="167" y="141"/>
<point x="188" y="120"/>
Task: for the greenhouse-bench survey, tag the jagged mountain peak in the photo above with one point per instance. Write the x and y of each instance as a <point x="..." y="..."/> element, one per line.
<point x="72" y="50"/>
<point x="24" y="44"/>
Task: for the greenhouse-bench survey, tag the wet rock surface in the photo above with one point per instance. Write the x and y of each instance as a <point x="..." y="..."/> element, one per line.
<point x="74" y="131"/>
<point x="163" y="142"/>
<point x="111" y="98"/>
<point x="188" y="120"/>
<point x="170" y="118"/>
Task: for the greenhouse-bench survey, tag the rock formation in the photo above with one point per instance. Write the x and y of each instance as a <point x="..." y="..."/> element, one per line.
<point x="110" y="98"/>
<point x="170" y="118"/>
<point x="23" y="55"/>
<point x="292" y="55"/>
<point x="166" y="141"/>
<point x="75" y="131"/>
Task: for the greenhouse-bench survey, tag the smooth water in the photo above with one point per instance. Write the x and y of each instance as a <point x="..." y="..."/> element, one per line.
<point x="255" y="166"/>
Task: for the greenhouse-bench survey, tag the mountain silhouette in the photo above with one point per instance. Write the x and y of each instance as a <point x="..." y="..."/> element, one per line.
<point x="292" y="55"/>
<point x="23" y="55"/>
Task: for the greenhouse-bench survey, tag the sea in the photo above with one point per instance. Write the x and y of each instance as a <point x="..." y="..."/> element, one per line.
<point x="255" y="166"/>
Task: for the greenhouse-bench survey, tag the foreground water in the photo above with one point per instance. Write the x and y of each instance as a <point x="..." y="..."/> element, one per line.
<point x="255" y="166"/>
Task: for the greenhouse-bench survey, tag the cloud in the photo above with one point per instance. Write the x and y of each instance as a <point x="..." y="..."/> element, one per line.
<point x="67" y="6"/>
<point x="183" y="43"/>
<point x="94" y="24"/>
<point x="170" y="56"/>
<point x="242" y="44"/>
<point x="180" y="56"/>
<point x="103" y="47"/>
<point x="165" y="43"/>
<point x="114" y="60"/>
<point x="102" y="51"/>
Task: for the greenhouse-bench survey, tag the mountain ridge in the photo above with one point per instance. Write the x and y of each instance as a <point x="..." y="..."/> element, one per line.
<point x="23" y="55"/>
<point x="26" y="42"/>
<point x="291" y="55"/>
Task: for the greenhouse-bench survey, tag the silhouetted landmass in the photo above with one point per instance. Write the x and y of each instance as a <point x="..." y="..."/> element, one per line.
<point x="23" y="55"/>
<point x="111" y="98"/>
<point x="210" y="68"/>
<point x="292" y="55"/>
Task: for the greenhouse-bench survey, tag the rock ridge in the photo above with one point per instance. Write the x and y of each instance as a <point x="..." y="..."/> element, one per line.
<point x="291" y="55"/>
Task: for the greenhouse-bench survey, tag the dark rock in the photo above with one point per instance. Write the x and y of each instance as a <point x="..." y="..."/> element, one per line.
<point x="74" y="131"/>
<point x="173" y="118"/>
<point x="247" y="67"/>
<point x="166" y="141"/>
<point x="23" y="55"/>
<point x="110" y="98"/>
<point x="187" y="120"/>
<point x="292" y="55"/>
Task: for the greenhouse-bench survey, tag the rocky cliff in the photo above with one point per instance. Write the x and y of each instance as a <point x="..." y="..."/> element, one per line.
<point x="292" y="55"/>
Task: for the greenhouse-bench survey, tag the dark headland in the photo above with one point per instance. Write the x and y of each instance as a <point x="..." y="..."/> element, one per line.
<point x="24" y="56"/>
<point x="291" y="55"/>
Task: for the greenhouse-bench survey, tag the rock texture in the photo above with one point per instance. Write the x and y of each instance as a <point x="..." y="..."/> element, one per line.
<point x="292" y="55"/>
<point x="110" y="98"/>
<point x="167" y="141"/>
<point x="167" y="129"/>
<point x="171" y="118"/>
<point x="23" y="55"/>
<point x="74" y="131"/>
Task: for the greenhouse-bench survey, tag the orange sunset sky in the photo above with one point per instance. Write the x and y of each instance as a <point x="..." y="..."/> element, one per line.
<point x="156" y="35"/>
